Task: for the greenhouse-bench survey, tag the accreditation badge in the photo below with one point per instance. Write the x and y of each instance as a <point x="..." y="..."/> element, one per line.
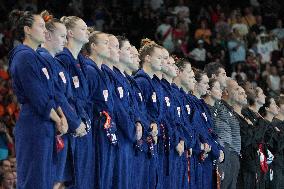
<point x="167" y="101"/>
<point x="154" y="97"/>
<point x="62" y="76"/>
<point x="120" y="91"/>
<point x="45" y="72"/>
<point x="76" y="81"/>
<point x="105" y="93"/>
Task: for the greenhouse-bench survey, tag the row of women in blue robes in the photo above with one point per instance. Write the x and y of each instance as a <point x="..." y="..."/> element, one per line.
<point x="110" y="103"/>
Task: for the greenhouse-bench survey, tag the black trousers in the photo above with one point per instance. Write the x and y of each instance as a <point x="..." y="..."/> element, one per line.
<point x="231" y="170"/>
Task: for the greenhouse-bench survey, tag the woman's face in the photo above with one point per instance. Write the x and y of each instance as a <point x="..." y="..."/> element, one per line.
<point x="187" y="77"/>
<point x="125" y="53"/>
<point x="171" y="68"/>
<point x="135" y="59"/>
<point x="273" y="108"/>
<point x="156" y="59"/>
<point x="58" y="37"/>
<point x="37" y="30"/>
<point x="101" y="45"/>
<point x="80" y="32"/>
<point x="114" y="48"/>
<point x="222" y="78"/>
<point x="260" y="96"/>
<point x="203" y="86"/>
<point x="216" y="91"/>
<point x="165" y="60"/>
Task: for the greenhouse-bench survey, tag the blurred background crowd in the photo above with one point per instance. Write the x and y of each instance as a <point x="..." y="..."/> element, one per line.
<point x="246" y="36"/>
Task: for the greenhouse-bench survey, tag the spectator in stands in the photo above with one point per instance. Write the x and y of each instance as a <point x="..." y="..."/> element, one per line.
<point x="199" y="55"/>
<point x="216" y="51"/>
<point x="232" y="18"/>
<point x="258" y="27"/>
<point x="264" y="48"/>
<point x="164" y="34"/>
<point x="279" y="30"/>
<point x="6" y="142"/>
<point x="248" y="18"/>
<point x="240" y="72"/>
<point x="237" y="51"/>
<point x="203" y="32"/>
<point x="5" y="166"/>
<point x="8" y="180"/>
<point x="222" y="27"/>
<point x="273" y="81"/>
<point x="240" y="26"/>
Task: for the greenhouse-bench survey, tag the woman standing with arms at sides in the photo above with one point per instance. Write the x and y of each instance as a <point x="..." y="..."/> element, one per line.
<point x="33" y="84"/>
<point x="73" y="62"/>
<point x="215" y="150"/>
<point x="55" y="39"/>
<point x="151" y="61"/>
<point x="105" y="104"/>
<point x="213" y="95"/>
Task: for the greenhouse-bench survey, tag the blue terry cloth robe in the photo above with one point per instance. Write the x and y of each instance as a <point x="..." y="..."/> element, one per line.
<point x="215" y="149"/>
<point x="34" y="132"/>
<point x="153" y="94"/>
<point x="141" y="163"/>
<point x="83" y="146"/>
<point x="184" y="111"/>
<point x="102" y="100"/>
<point x="125" y="128"/>
<point x="175" y="166"/>
<point x="64" y="99"/>
<point x="204" y="180"/>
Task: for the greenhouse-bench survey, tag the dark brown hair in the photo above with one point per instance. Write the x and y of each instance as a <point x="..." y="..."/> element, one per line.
<point x="20" y="19"/>
<point x="198" y="74"/>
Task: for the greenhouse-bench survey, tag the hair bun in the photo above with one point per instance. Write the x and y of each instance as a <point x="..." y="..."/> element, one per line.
<point x="64" y="19"/>
<point x="15" y="16"/>
<point x="146" y="41"/>
<point x="91" y="29"/>
<point x="46" y="16"/>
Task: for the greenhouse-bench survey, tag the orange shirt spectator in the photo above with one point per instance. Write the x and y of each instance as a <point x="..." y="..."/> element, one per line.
<point x="203" y="32"/>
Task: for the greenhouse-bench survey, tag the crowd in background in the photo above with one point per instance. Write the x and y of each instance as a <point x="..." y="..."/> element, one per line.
<point x="247" y="37"/>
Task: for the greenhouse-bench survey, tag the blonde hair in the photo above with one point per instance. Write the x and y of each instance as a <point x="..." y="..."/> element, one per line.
<point x="69" y="21"/>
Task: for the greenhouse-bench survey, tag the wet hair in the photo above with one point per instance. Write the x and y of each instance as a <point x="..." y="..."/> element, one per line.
<point x="69" y="21"/>
<point x="92" y="39"/>
<point x="262" y="110"/>
<point x="251" y="95"/>
<point x="198" y="74"/>
<point x="147" y="48"/>
<point x="49" y="20"/>
<point x="121" y="39"/>
<point x="212" y="82"/>
<point x="213" y="68"/>
<point x="280" y="100"/>
<point x="181" y="63"/>
<point x="18" y="20"/>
